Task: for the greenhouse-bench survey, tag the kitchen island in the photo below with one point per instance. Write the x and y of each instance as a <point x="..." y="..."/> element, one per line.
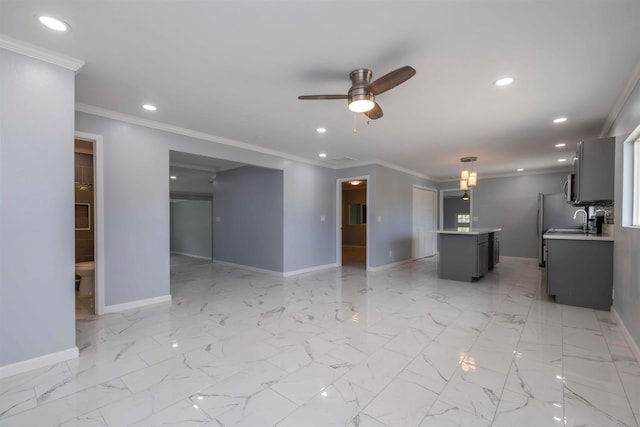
<point x="467" y="253"/>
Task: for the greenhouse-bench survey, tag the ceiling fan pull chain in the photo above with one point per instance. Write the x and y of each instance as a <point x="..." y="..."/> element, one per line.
<point x="355" y="130"/>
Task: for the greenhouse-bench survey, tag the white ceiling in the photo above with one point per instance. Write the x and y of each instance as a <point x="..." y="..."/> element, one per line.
<point x="234" y="69"/>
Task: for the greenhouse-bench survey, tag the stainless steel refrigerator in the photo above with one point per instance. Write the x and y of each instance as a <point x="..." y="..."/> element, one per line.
<point x="555" y="212"/>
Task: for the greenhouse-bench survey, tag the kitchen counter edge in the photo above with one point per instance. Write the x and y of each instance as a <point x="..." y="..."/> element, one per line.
<point x="587" y="237"/>
<point x="472" y="231"/>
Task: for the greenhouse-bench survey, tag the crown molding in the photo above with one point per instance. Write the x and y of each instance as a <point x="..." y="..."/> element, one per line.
<point x="482" y="176"/>
<point x="386" y="165"/>
<point x="37" y="52"/>
<point x="109" y="114"/>
<point x="632" y="82"/>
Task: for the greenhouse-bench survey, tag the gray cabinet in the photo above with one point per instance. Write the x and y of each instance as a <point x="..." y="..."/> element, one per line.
<point x="494" y="249"/>
<point x="463" y="256"/>
<point x="594" y="171"/>
<point x="580" y="272"/>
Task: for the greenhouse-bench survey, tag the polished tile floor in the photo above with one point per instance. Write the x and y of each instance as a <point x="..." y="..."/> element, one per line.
<point x="339" y="347"/>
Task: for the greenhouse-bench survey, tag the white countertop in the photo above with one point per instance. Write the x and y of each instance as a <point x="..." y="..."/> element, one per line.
<point x="588" y="237"/>
<point x="468" y="230"/>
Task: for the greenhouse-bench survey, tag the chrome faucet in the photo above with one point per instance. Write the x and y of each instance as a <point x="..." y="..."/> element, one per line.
<point x="584" y="226"/>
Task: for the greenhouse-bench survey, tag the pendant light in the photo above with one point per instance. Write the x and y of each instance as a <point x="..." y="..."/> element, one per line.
<point x="468" y="176"/>
<point x="465" y="196"/>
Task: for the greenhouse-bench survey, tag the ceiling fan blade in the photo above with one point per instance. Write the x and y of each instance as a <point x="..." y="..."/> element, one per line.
<point x="324" y="97"/>
<point x="391" y="80"/>
<point x="375" y="113"/>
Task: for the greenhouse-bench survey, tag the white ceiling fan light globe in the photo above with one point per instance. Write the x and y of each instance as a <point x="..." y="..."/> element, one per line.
<point x="361" y="105"/>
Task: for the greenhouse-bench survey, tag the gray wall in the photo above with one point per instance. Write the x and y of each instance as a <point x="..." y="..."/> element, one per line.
<point x="136" y="209"/>
<point x="512" y="204"/>
<point x="391" y="198"/>
<point x="191" y="227"/>
<point x="143" y="153"/>
<point x="37" y="304"/>
<point x="249" y="206"/>
<point x="626" y="248"/>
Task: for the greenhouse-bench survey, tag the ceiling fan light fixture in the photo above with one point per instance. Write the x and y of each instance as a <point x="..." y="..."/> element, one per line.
<point x="361" y="103"/>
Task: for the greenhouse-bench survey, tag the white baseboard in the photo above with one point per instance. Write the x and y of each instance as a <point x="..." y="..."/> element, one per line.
<point x="191" y="255"/>
<point x="136" y="304"/>
<point x="387" y="266"/>
<point x="632" y="344"/>
<point x="38" y="362"/>
<point x="308" y="270"/>
<point x="248" y="267"/>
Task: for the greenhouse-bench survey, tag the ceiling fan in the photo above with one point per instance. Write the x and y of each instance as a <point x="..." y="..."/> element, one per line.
<point x="361" y="95"/>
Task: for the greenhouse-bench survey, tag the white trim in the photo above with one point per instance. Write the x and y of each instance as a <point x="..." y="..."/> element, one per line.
<point x="386" y="165"/>
<point x="634" y="78"/>
<point x="38" y="362"/>
<point x="387" y="266"/>
<point x="247" y="267"/>
<point x="635" y="349"/>
<point x="114" y="115"/>
<point x="37" y="52"/>
<point x="98" y="211"/>
<point x="339" y="182"/>
<point x="192" y="255"/>
<point x="308" y="270"/>
<point x="136" y="304"/>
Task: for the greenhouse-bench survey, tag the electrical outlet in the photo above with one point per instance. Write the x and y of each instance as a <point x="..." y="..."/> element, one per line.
<point x="321" y="218"/>
<point x="390" y="253"/>
<point x="379" y="219"/>
<point x="217" y="219"/>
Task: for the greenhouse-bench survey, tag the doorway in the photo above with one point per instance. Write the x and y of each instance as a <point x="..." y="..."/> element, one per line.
<point x="352" y="234"/>
<point x="424" y="222"/>
<point x="89" y="225"/>
<point x="455" y="212"/>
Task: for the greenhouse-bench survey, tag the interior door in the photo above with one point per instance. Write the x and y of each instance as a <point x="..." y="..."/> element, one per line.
<point x="424" y="220"/>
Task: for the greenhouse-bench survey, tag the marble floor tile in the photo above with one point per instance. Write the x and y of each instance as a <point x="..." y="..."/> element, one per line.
<point x="184" y="413"/>
<point x="474" y="389"/>
<point x="539" y="381"/>
<point x="444" y="414"/>
<point x="306" y="382"/>
<point x="401" y="403"/>
<point x="339" y="347"/>
<point x="518" y="409"/>
<point x="334" y="406"/>
<point x="586" y="406"/>
<point x="264" y="408"/>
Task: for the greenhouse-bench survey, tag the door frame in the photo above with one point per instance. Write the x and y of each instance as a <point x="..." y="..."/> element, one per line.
<point x="98" y="216"/>
<point x="435" y="212"/>
<point x="441" y="203"/>
<point x="339" y="182"/>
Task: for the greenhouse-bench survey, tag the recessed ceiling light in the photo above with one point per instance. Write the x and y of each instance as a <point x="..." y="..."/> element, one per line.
<point x="173" y="177"/>
<point x="321" y="130"/>
<point x="149" y="107"/>
<point x="560" y="145"/>
<point x="53" y="23"/>
<point x="323" y="155"/>
<point x="505" y="81"/>
<point x="562" y="160"/>
<point x="560" y="120"/>
<point x="520" y="170"/>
